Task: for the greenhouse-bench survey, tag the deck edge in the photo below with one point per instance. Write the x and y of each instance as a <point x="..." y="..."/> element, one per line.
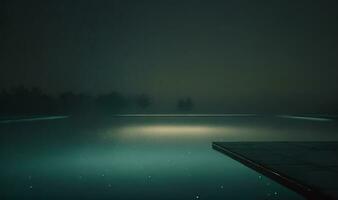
<point x="302" y="189"/>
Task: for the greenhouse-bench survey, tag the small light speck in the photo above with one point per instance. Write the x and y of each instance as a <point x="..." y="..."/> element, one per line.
<point x="276" y="193"/>
<point x="222" y="186"/>
<point x="109" y="185"/>
<point x="260" y="177"/>
<point x="197" y="196"/>
<point x="102" y="175"/>
<point x="30" y="187"/>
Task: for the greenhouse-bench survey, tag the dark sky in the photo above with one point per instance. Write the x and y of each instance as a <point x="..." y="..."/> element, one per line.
<point x="221" y="53"/>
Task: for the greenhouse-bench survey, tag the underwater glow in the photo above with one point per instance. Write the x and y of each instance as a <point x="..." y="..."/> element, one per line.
<point x="169" y="129"/>
<point x="176" y="130"/>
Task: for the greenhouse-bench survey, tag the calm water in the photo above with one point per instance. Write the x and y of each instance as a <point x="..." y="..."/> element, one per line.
<point x="143" y="157"/>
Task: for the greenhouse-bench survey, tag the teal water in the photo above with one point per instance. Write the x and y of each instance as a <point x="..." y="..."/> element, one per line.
<point x="143" y="157"/>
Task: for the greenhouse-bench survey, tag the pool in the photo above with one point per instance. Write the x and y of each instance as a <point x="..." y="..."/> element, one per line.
<point x="143" y="157"/>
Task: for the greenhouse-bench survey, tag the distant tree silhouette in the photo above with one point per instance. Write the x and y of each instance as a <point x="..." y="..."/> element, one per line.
<point x="75" y="103"/>
<point x="112" y="102"/>
<point x="4" y="102"/>
<point x="143" y="101"/>
<point x="185" y="104"/>
<point x="21" y="100"/>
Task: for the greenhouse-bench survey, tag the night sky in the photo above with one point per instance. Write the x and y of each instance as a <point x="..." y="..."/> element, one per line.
<point x="252" y="55"/>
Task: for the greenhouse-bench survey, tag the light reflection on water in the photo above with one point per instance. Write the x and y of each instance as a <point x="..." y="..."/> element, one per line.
<point x="138" y="158"/>
<point x="163" y="130"/>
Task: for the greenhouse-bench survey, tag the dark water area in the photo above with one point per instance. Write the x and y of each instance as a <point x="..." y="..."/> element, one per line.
<point x="143" y="157"/>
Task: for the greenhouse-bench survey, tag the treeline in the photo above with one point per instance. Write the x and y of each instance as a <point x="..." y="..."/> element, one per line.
<point x="22" y="100"/>
<point x="26" y="101"/>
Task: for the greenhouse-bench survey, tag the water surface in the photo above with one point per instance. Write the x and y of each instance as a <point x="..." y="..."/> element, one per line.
<point x="157" y="157"/>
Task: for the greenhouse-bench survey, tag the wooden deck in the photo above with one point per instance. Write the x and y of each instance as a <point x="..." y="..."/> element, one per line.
<point x="309" y="168"/>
